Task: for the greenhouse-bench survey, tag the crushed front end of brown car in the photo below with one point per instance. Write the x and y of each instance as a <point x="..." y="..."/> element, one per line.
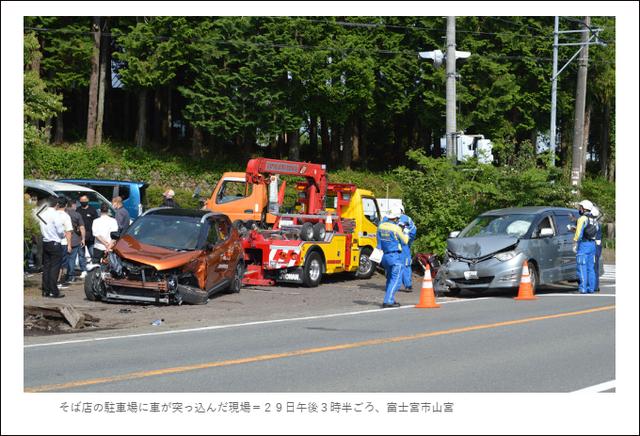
<point x="170" y="256"/>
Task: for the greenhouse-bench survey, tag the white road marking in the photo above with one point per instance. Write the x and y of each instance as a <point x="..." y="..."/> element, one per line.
<point x="597" y="388"/>
<point x="576" y="295"/>
<point x="218" y="327"/>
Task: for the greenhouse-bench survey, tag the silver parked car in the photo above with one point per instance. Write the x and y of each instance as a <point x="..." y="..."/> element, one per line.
<point x="489" y="252"/>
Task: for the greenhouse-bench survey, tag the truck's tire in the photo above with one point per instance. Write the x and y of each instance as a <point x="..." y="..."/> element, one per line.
<point x="94" y="288"/>
<point x="306" y="232"/>
<point x="312" y="270"/>
<point x="319" y="232"/>
<point x="366" y="268"/>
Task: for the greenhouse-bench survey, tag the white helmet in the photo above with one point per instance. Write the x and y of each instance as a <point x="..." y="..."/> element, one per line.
<point x="395" y="212"/>
<point x="586" y="204"/>
<point x="595" y="212"/>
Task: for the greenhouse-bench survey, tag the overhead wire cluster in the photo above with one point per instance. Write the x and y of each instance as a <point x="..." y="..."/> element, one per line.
<point x="350" y="24"/>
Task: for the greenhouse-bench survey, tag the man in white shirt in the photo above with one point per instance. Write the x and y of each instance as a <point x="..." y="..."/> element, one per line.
<point x="53" y="228"/>
<point x="66" y="244"/>
<point x="101" y="229"/>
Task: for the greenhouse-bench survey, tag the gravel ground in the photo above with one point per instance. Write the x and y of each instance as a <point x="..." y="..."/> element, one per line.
<point x="336" y="293"/>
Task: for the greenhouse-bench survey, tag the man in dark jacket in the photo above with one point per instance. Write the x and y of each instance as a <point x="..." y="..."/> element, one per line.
<point x="78" y="239"/>
<point x="88" y="214"/>
<point x="167" y="199"/>
<point x="122" y="215"/>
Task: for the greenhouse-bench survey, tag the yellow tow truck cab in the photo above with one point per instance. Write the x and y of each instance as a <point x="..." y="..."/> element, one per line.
<point x="302" y="247"/>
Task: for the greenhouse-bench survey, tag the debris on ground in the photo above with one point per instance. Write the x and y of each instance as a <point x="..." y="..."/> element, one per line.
<point x="51" y="318"/>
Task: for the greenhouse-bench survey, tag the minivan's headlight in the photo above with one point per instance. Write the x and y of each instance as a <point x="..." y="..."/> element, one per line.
<point x="507" y="255"/>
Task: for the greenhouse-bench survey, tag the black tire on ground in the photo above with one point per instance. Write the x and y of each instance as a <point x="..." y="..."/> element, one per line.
<point x="366" y="268"/>
<point x="236" y="281"/>
<point x="191" y="295"/>
<point x="312" y="270"/>
<point x="93" y="287"/>
<point x="453" y="292"/>
<point x="319" y="232"/>
<point x="306" y="232"/>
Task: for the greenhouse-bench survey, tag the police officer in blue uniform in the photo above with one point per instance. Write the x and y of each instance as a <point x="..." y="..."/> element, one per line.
<point x="585" y="248"/>
<point x="595" y="213"/>
<point x="391" y="239"/>
<point x="409" y="229"/>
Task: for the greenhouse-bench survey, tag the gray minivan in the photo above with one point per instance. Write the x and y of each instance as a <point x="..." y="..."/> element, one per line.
<point x="490" y="251"/>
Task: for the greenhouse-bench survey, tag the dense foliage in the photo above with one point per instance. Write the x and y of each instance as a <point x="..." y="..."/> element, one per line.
<point x="349" y="91"/>
<point x="439" y="196"/>
<point x="200" y="95"/>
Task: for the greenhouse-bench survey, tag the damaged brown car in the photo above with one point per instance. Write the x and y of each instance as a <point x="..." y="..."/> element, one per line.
<point x="170" y="256"/>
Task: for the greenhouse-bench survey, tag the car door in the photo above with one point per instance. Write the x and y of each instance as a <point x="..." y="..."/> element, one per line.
<point x="372" y="217"/>
<point x="566" y="222"/>
<point x="219" y="253"/>
<point x="544" y="249"/>
<point x="213" y="254"/>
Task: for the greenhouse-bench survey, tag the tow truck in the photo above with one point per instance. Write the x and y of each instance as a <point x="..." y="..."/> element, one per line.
<point x="298" y="247"/>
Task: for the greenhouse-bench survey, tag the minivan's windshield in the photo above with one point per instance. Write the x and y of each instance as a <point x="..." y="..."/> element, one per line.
<point x="167" y="231"/>
<point x="95" y="199"/>
<point x="502" y="225"/>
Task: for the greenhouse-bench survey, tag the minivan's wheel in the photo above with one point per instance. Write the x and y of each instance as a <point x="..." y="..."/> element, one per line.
<point x="312" y="271"/>
<point x="94" y="287"/>
<point x="535" y="277"/>
<point x="319" y="231"/>
<point x="366" y="268"/>
<point x="453" y="292"/>
<point x="306" y="232"/>
<point x="236" y="281"/>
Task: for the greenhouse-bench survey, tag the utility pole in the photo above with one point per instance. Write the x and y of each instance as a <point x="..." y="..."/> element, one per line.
<point x="586" y="40"/>
<point x="554" y="92"/>
<point x="451" y="88"/>
<point x="577" y="166"/>
<point x="450" y="57"/>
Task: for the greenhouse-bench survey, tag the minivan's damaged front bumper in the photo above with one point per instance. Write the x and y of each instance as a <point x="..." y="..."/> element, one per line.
<point x="479" y="275"/>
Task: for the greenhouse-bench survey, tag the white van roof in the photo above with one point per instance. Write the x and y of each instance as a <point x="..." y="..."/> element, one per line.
<point x="51" y="186"/>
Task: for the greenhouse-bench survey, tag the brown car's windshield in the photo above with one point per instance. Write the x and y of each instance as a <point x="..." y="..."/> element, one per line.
<point x="167" y="231"/>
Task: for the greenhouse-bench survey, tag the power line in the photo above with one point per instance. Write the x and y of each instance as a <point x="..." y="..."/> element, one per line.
<point x="438" y="29"/>
<point x="518" y="24"/>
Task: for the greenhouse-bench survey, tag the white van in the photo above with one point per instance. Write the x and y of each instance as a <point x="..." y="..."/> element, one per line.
<point x="42" y="189"/>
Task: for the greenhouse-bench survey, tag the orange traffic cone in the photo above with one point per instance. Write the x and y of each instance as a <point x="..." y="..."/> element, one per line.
<point x="328" y="224"/>
<point x="525" y="291"/>
<point x="427" y="296"/>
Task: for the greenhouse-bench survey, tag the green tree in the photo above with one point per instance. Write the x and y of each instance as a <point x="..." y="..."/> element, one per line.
<point x="39" y="104"/>
<point x="66" y="58"/>
<point x="150" y="52"/>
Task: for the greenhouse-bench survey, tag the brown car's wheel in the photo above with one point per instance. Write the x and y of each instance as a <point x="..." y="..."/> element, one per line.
<point x="192" y="295"/>
<point x="94" y="287"/>
<point x="236" y="281"/>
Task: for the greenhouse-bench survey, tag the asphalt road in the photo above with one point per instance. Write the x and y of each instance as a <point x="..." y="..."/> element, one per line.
<point x="561" y="342"/>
